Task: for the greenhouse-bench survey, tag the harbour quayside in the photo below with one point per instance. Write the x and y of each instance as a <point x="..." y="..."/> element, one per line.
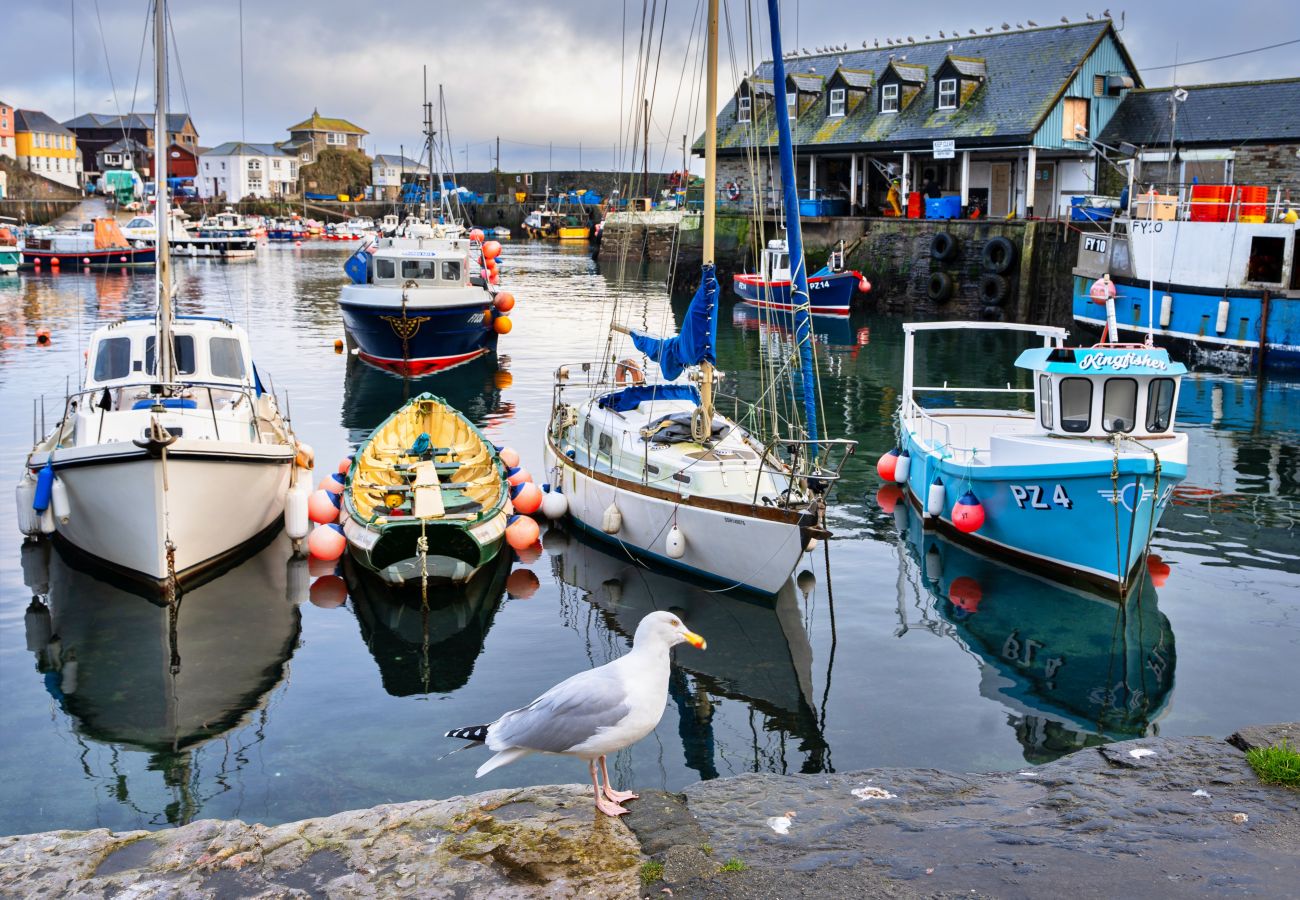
<point x="1214" y="276"/>
<point x="1077" y="485"/>
<point x="171" y="460"/>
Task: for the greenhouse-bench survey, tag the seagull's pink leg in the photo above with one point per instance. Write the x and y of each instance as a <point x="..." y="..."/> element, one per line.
<point x="605" y="806"/>
<point x="616" y="796"/>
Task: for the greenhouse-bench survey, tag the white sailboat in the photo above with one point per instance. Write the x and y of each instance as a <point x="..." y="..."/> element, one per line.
<point x="171" y="459"/>
<point x="654" y="468"/>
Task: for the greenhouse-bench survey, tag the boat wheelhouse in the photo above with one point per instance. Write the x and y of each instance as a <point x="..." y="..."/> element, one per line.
<point x="830" y="289"/>
<point x="542" y="223"/>
<point x="226" y="223"/>
<point x="417" y="305"/>
<point x="1077" y="484"/>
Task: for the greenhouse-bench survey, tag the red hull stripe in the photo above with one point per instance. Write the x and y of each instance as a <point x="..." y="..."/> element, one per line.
<point x="420" y="366"/>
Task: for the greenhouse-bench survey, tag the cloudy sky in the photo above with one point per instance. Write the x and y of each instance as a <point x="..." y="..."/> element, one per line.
<point x="531" y="73"/>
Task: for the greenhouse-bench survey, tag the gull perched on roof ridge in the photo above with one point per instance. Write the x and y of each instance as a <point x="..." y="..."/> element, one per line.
<point x="593" y="713"/>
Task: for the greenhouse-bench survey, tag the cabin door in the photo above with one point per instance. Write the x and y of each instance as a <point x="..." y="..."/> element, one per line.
<point x="1045" y="190"/>
<point x="999" y="190"/>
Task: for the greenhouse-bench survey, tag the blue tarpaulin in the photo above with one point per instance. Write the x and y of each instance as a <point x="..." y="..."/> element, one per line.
<point x="634" y="396"/>
<point x="697" y="338"/>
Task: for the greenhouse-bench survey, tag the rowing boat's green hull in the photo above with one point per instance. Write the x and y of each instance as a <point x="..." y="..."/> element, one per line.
<point x="454" y="554"/>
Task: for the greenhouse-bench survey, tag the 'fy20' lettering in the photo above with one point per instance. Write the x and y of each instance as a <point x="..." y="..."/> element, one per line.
<point x="1033" y="495"/>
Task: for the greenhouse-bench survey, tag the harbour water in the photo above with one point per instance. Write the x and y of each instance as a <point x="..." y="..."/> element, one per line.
<point x="895" y="648"/>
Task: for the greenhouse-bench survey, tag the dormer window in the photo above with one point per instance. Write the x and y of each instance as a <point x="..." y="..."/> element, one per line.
<point x="792" y="105"/>
<point x="837" y="103"/>
<point x="889" y="98"/>
<point x="947" y="93"/>
<point x="743" y="107"/>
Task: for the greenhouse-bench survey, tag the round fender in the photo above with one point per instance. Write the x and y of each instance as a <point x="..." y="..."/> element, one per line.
<point x="998" y="255"/>
<point x="940" y="287"/>
<point x="943" y="246"/>
<point x="993" y="289"/>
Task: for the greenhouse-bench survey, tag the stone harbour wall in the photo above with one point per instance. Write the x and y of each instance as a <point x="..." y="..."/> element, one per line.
<point x="1154" y="817"/>
<point x="1273" y="165"/>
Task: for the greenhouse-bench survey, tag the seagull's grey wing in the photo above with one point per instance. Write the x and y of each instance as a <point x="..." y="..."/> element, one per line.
<point x="565" y="716"/>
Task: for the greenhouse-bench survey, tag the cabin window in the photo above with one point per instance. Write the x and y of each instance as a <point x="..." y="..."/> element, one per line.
<point x="947" y="93"/>
<point x="226" y="358"/>
<point x="1045" y="400"/>
<point x="1076" y="404"/>
<point x="1119" y="404"/>
<point x="1265" y="262"/>
<point x="587" y="432"/>
<point x="451" y="271"/>
<point x="889" y="98"/>
<point x="792" y="105"/>
<point x="1074" y="119"/>
<point x="182" y="351"/>
<point x="605" y="444"/>
<point x="113" y="359"/>
<point x="743" y="108"/>
<point x="837" y="102"/>
<point x="385" y="268"/>
<point x="1160" y="404"/>
<point x="418" y="268"/>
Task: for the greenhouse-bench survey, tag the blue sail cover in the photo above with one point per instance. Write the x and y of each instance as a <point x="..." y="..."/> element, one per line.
<point x="696" y="341"/>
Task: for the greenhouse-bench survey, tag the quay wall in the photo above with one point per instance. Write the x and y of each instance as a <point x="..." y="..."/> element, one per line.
<point x="36" y="212"/>
<point x="510" y="215"/>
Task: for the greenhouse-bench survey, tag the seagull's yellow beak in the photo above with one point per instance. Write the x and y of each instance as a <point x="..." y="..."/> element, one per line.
<point x="696" y="641"/>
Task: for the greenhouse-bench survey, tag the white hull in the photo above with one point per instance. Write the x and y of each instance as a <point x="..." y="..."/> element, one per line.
<point x="219" y="496"/>
<point x="753" y="553"/>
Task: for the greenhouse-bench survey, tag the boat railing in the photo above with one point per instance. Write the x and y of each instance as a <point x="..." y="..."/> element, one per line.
<point x="120" y="394"/>
<point x="1199" y="201"/>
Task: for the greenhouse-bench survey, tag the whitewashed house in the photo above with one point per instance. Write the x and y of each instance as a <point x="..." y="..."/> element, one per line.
<point x="386" y="172"/>
<point x="236" y="170"/>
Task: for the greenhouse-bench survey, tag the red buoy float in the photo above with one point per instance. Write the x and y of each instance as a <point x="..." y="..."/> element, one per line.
<point x="886" y="465"/>
<point x="321" y="508"/>
<point x="327" y="542"/>
<point x="510" y="457"/>
<point x="504" y="302"/>
<point x="491" y="249"/>
<point x="522" y="532"/>
<point x="526" y="498"/>
<point x="968" y="513"/>
<point x="517" y="476"/>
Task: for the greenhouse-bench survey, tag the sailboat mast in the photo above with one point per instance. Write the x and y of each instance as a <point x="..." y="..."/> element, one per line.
<point x="162" y="207"/>
<point x="710" y="187"/>
<point x="428" y="137"/>
<point x="793" y="233"/>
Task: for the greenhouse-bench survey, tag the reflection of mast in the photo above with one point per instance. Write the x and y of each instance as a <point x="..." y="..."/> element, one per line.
<point x="694" y="724"/>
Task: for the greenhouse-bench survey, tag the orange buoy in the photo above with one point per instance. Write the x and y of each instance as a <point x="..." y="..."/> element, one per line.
<point x="338" y="345"/>
<point x="968" y="513"/>
<point x="318" y="567"/>
<point x="42" y="337"/>
<point x="502" y="380"/>
<point x="344" y="464"/>
<point x="517" y="476"/>
<point x="502" y="325"/>
<point x="887" y="465"/>
<point x="1159" y="569"/>
<point x="526" y="497"/>
<point x="328" y="592"/>
<point x="332" y="483"/>
<point x="522" y="584"/>
<point x="327" y="542"/>
<point x="510" y="457"/>
<point x="491" y="249"/>
<point x="522" y="532"/>
<point x="321" y="508"/>
<point x="476" y="235"/>
<point x="505" y="302"/>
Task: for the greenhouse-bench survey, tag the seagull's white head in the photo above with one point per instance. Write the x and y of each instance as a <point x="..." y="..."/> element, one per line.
<point x="667" y="629"/>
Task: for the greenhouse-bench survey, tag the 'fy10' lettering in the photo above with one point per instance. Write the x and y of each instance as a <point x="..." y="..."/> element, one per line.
<point x="1032" y="494"/>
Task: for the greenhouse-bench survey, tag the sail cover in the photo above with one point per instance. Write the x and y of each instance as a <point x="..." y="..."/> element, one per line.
<point x="698" y="337"/>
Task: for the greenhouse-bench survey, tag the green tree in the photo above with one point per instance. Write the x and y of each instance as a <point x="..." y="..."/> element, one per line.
<point x="338" y="172"/>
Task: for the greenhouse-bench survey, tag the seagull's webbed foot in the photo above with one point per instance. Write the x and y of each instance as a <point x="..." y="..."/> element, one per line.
<point x="616" y="796"/>
<point x="608" y="808"/>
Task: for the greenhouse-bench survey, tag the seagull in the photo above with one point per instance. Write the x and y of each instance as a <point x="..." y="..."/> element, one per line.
<point x="927" y="37"/>
<point x="972" y="31"/>
<point x="1019" y="26"/>
<point x="1032" y="23"/>
<point x="911" y="40"/>
<point x="988" y="30"/>
<point x="1064" y="20"/>
<point x="1091" y="17"/>
<point x="1105" y="13"/>
<point x="594" y="713"/>
<point x="941" y="34"/>
<point x="864" y="43"/>
<point x="1006" y="27"/>
<point x="889" y="42"/>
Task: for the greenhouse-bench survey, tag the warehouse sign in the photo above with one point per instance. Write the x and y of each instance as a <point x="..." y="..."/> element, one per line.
<point x="944" y="149"/>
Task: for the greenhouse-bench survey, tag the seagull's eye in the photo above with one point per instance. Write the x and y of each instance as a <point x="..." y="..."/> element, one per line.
<point x="676" y="624"/>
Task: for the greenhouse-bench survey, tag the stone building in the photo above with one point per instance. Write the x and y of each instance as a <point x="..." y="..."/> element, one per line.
<point x="316" y="133"/>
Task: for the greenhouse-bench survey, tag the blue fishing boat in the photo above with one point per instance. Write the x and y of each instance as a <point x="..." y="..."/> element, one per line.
<point x="1076" y="485"/>
<point x="286" y="229"/>
<point x="1221" y="290"/>
<point x="830" y="289"/>
<point x="419" y="305"/>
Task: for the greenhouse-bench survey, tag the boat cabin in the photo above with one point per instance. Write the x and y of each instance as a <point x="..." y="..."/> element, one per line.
<point x="208" y="350"/>
<point x="1100" y="391"/>
<point x="776" y="261"/>
<point x="396" y="262"/>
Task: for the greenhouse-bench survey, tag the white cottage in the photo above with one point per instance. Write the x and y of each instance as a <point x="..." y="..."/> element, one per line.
<point x="386" y="173"/>
<point x="236" y="170"/>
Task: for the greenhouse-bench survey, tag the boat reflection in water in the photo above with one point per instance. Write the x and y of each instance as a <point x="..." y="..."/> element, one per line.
<point x="139" y="675"/>
<point x="1076" y="669"/>
<point x="474" y="388"/>
<point x="426" y="648"/>
<point x="828" y="331"/>
<point x="760" y="656"/>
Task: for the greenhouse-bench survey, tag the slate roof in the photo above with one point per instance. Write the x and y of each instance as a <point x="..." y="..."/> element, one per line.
<point x="968" y="67"/>
<point x="394" y="159"/>
<point x="35" y="120"/>
<point x="317" y="122"/>
<point x="1238" y="113"/>
<point x="1027" y="72"/>
<point x="856" y="78"/>
<point x="123" y="145"/>
<point x="241" y="148"/>
<point x="909" y="72"/>
<point x="806" y="83"/>
<point x="761" y="87"/>
<point x="175" y="121"/>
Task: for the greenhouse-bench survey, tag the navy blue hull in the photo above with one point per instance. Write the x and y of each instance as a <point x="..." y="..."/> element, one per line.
<point x="425" y="340"/>
<point x="828" y="295"/>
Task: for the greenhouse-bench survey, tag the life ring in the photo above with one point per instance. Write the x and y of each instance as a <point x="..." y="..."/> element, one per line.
<point x="940" y="287"/>
<point x="994" y="288"/>
<point x="998" y="255"/>
<point x="733" y="191"/>
<point x="628" y="371"/>
<point x="943" y="246"/>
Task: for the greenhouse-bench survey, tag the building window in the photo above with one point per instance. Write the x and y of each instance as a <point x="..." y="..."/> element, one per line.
<point x="743" y="105"/>
<point x="1099" y="85"/>
<point x="947" y="93"/>
<point x="1119" y="404"/>
<point x="254" y="165"/>
<point x="223" y="164"/>
<point x="1076" y="404"/>
<point x="1160" y="404"/>
<point x="792" y="105"/>
<point x="336" y="138"/>
<point x="837" y="102"/>
<point x="305" y="156"/>
<point x="889" y="98"/>
<point x="275" y="164"/>
<point x="207" y="166"/>
<point x="1074" y="119"/>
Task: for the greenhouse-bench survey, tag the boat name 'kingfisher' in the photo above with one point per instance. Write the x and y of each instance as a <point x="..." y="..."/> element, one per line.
<point x="1121" y="361"/>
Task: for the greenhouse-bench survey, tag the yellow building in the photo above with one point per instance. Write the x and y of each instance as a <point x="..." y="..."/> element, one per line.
<point x="46" y="148"/>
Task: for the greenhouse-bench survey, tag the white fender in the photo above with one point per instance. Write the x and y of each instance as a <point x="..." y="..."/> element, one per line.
<point x="675" y="543"/>
<point x="68" y="684"/>
<point x="612" y="520"/>
<point x="1166" y="310"/>
<point x="806" y="582"/>
<point x="934" y="502"/>
<point x="29" y="521"/>
<point x="59" y="501"/>
<point x="296" y="523"/>
<point x="810" y="546"/>
<point x="36" y="567"/>
<point x="1221" y="323"/>
<point x="297" y="583"/>
<point x="554" y="504"/>
<point x="933" y="564"/>
<point x="903" y="467"/>
<point x="47" y="520"/>
<point x="37" y="623"/>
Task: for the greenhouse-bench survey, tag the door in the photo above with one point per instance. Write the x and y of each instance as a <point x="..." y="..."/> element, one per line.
<point x="1000" y="190"/>
<point x="1045" y="199"/>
